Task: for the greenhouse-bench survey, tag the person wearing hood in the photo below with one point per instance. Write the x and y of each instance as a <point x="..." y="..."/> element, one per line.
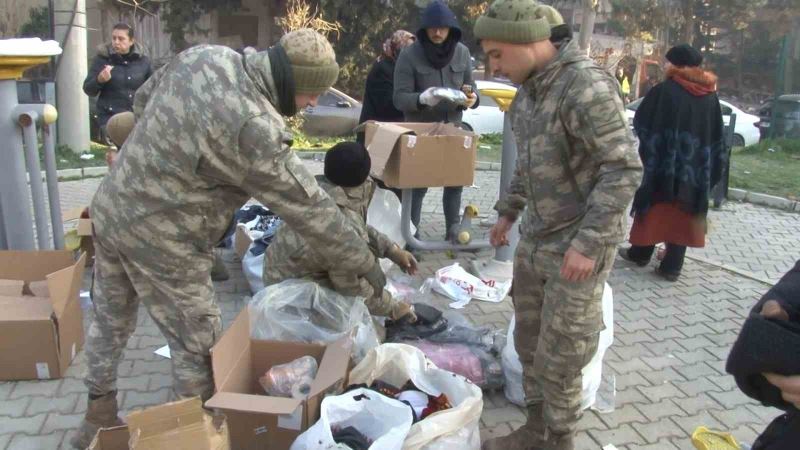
<point x="577" y="170"/>
<point x="290" y="256"/>
<point x="209" y="135"/>
<point x="118" y="70"/>
<point x="378" y="104"/>
<point x="437" y="59"/>
<point x="680" y="129"/>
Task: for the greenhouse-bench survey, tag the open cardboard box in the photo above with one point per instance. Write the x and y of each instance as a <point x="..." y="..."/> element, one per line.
<point x="41" y="327"/>
<point x="181" y="425"/>
<point x="415" y="155"/>
<point x="83" y="230"/>
<point x="256" y="420"/>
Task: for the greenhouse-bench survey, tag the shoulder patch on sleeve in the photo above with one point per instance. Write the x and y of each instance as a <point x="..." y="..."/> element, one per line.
<point x="604" y="116"/>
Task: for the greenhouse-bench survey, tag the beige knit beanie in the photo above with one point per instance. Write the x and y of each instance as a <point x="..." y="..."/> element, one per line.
<point x="313" y="61"/>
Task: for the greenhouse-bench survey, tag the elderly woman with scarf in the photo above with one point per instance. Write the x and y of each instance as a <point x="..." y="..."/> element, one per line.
<point x="679" y="125"/>
<point x="378" y="92"/>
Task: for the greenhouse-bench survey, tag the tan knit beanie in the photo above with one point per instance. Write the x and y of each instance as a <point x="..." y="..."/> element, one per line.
<point x="516" y="22"/>
<point x="313" y="61"/>
<point x="119" y="126"/>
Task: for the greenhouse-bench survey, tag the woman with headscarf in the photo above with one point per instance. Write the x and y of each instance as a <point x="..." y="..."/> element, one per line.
<point x="679" y="125"/>
<point x="378" y="103"/>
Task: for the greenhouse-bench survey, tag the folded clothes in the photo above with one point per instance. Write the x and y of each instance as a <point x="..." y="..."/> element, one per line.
<point x="350" y="437"/>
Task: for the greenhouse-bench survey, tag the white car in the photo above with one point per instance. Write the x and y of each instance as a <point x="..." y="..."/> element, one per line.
<point x="487" y="117"/>
<point x="745" y="131"/>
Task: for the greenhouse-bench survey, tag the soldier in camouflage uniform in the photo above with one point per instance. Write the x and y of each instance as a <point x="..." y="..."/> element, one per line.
<point x="347" y="182"/>
<point x="209" y="135"/>
<point x="577" y="170"/>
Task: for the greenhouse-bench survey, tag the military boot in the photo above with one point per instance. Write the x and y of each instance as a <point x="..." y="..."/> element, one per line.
<point x="218" y="271"/>
<point x="528" y="437"/>
<point x="101" y="413"/>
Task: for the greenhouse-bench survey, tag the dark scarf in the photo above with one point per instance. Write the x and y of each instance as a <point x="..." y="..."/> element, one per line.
<point x="439" y="55"/>
<point x="283" y="77"/>
<point x="681" y="147"/>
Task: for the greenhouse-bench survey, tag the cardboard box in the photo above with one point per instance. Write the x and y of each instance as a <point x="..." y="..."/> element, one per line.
<point x="411" y="155"/>
<point x="41" y="327"/>
<point x="256" y="420"/>
<point x="181" y="425"/>
<point x="83" y="232"/>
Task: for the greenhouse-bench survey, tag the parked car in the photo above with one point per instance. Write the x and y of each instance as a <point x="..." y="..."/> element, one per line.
<point x="487" y="117"/>
<point x="745" y="131"/>
<point x="336" y="114"/>
<point x="786" y="120"/>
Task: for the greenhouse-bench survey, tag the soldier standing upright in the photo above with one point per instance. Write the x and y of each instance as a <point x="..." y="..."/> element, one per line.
<point x="209" y="135"/>
<point x="577" y="170"/>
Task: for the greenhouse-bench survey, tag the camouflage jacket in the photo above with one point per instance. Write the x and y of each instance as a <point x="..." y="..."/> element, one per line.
<point x="577" y="164"/>
<point x="290" y="255"/>
<point x="208" y="137"/>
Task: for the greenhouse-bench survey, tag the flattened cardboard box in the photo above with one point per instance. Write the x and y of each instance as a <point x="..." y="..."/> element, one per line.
<point x="413" y="155"/>
<point x="256" y="420"/>
<point x="41" y="328"/>
<point x="181" y="425"/>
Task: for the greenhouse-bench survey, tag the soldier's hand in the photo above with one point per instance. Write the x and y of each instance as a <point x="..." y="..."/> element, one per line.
<point x="104" y="74"/>
<point x="403" y="309"/>
<point x="576" y="267"/>
<point x="404" y="259"/>
<point x="376" y="278"/>
<point x="498" y="235"/>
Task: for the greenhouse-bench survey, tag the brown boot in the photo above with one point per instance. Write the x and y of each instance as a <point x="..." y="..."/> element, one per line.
<point x="527" y="437"/>
<point x="218" y="271"/>
<point x="101" y="413"/>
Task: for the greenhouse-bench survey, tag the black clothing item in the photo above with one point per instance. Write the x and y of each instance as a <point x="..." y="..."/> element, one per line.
<point x="347" y="164"/>
<point x="438" y="15"/>
<point x="378" y="93"/>
<point x="429" y="322"/>
<point x="352" y="438"/>
<point x="129" y="74"/>
<point x="282" y="74"/>
<point x="673" y="258"/>
<point x="770" y="345"/>
<point x="684" y="55"/>
<point x="681" y="147"/>
<point x="782" y="434"/>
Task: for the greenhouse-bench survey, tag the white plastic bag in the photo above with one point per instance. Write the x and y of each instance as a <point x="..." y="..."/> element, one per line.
<point x="383" y="420"/>
<point x="253" y="268"/>
<point x="303" y="311"/>
<point x="592" y="373"/>
<point x="458" y="284"/>
<point x="384" y="215"/>
<point x="455" y="428"/>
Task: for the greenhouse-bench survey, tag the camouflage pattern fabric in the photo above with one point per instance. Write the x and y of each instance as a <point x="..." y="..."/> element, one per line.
<point x="207" y="138"/>
<point x="577" y="171"/>
<point x="291" y="256"/>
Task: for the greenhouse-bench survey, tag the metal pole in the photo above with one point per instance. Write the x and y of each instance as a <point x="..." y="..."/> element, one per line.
<point x="14" y="197"/>
<point x="28" y="123"/>
<point x="52" y="185"/>
<point x="509" y="164"/>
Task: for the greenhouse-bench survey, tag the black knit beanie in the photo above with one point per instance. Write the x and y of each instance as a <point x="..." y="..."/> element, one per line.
<point x="684" y="55"/>
<point x="347" y="164"/>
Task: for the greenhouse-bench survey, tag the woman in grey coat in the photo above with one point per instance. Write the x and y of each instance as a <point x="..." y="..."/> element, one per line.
<point x="437" y="59"/>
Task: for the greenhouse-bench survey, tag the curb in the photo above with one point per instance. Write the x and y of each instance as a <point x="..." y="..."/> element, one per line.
<point x="764" y="200"/>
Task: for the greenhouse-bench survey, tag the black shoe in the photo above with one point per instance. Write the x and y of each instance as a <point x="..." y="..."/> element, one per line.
<point x="669" y="276"/>
<point x="623" y="253"/>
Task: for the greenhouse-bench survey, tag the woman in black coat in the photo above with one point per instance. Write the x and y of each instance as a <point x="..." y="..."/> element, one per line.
<point x="378" y="92"/>
<point x="118" y="70"/>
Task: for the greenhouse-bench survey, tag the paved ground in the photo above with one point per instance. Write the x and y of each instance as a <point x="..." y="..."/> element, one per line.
<point x="671" y="340"/>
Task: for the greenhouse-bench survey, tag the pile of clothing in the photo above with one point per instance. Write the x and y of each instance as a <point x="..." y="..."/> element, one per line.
<point x="422" y="404"/>
<point x="261" y="224"/>
<point x="452" y="343"/>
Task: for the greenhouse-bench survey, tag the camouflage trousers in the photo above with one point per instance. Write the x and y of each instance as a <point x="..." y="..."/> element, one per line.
<point x="558" y="324"/>
<point x="181" y="302"/>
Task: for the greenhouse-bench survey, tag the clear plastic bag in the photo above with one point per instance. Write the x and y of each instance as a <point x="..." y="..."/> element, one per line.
<point x="461" y="331"/>
<point x="303" y="311"/>
<point x="474" y="364"/>
<point x="292" y="379"/>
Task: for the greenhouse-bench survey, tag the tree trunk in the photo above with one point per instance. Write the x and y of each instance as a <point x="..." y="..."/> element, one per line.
<point x="687" y="31"/>
<point x="587" y="25"/>
<point x="740" y="65"/>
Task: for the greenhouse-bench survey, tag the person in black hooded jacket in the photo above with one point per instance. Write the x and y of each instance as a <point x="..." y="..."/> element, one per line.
<point x="118" y="70"/>
<point x="765" y="360"/>
<point x="437" y="59"/>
